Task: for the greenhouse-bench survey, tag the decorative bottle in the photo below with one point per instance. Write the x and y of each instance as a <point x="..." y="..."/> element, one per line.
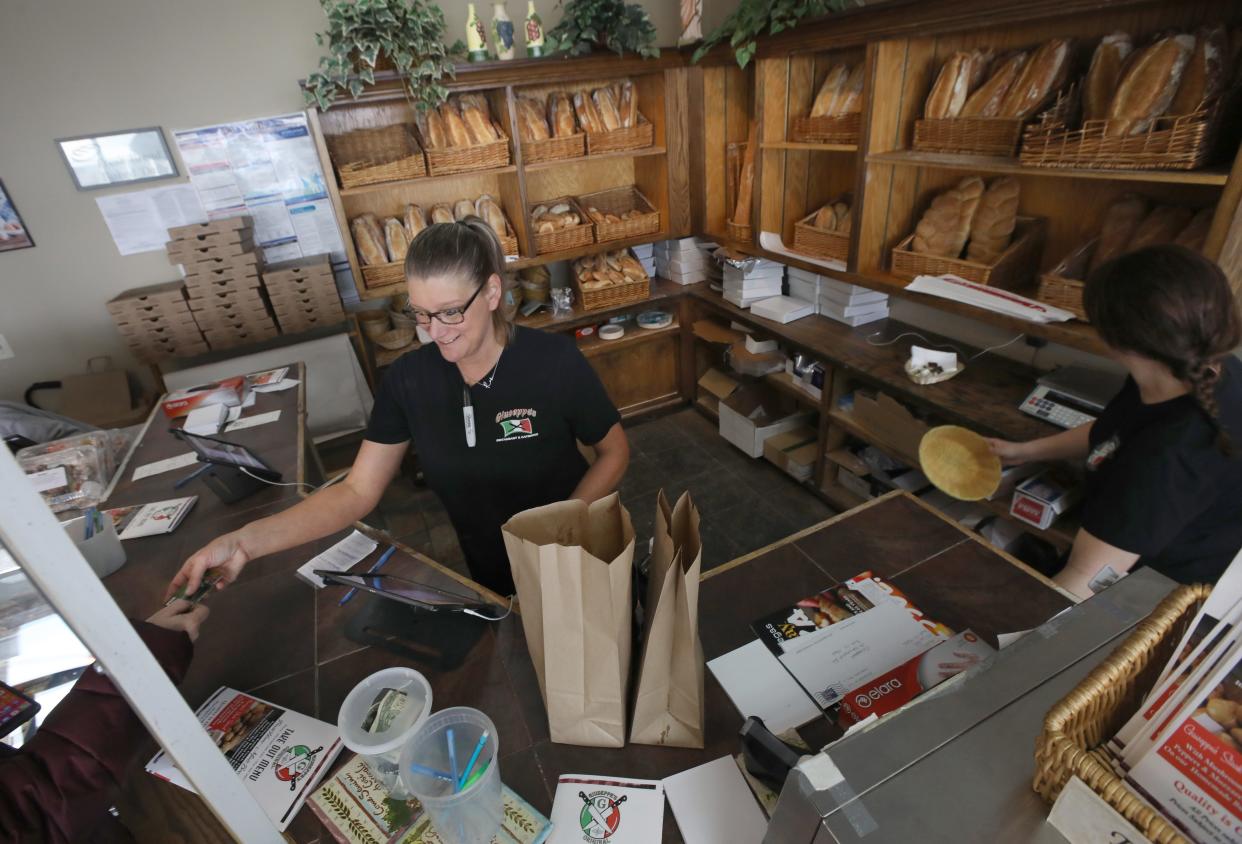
<point x="502" y="31"/>
<point x="534" y="31"/>
<point x="476" y="38"/>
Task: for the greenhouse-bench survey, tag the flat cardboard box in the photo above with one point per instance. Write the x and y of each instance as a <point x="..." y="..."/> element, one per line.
<point x="247" y="263"/>
<point x="860" y="485"/>
<point x="890" y="423"/>
<point x="197" y="230"/>
<point x="793" y="451"/>
<point x="714" y="332"/>
<point x="227" y="338"/>
<point x="298" y="323"/>
<point x="754" y="413"/>
<point x="301" y="267"/>
<point x="718" y="384"/>
<point x="187" y="255"/>
<point x="324" y="286"/>
<point x="224" y="284"/>
<point x="159" y="327"/>
<point x="247" y="298"/>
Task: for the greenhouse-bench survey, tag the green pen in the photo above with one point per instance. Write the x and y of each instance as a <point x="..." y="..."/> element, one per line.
<point x="473" y="778"/>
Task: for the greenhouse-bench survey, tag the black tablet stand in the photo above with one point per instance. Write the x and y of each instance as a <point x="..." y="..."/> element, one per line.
<point x="437" y="639"/>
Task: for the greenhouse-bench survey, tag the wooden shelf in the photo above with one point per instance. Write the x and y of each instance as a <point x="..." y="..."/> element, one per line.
<point x="423" y="180"/>
<point x="591" y="159"/>
<point x="999" y="164"/>
<point x="589" y="249"/>
<point x="596" y="345"/>
<point x="809" y="146"/>
<point x="840" y="497"/>
<point x="784" y="382"/>
<point x="663" y="293"/>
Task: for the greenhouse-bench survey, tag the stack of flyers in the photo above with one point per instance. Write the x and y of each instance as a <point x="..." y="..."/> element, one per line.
<point x="682" y="260"/>
<point x="150" y="519"/>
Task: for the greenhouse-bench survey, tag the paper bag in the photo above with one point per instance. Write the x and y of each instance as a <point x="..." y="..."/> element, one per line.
<point x="668" y="707"/>
<point x="572" y="566"/>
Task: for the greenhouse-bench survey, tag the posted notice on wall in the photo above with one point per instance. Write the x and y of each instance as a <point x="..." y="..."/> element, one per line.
<point x="269" y="169"/>
<point x="139" y="221"/>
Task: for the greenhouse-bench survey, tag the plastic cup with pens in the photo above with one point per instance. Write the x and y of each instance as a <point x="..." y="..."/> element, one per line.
<point x="451" y="767"/>
<point x="381" y="716"/>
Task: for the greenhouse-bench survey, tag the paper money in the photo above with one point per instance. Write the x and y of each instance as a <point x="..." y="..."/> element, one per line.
<point x="388" y="704"/>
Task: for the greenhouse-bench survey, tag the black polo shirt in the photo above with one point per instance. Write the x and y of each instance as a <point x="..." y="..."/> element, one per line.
<point x="1158" y="486"/>
<point x="544" y="397"/>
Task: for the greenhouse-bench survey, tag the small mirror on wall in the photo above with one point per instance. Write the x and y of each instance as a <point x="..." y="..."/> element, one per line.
<point x="13" y="234"/>
<point x="117" y="158"/>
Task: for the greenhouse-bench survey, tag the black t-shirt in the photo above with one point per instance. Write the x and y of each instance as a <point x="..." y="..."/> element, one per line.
<point x="544" y="397"/>
<point x="1158" y="486"/>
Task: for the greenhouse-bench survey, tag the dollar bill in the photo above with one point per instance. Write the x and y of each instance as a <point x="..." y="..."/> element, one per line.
<point x="388" y="704"/>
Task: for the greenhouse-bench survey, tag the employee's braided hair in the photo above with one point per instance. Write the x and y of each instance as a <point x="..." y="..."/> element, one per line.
<point x="467" y="250"/>
<point x="1172" y="305"/>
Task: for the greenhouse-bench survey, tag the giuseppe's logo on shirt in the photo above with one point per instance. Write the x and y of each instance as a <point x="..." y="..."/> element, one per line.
<point x="1103" y="451"/>
<point x="517" y="424"/>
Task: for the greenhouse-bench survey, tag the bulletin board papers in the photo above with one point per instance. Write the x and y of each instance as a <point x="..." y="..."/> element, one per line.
<point x="269" y="169"/>
<point x="139" y="221"/>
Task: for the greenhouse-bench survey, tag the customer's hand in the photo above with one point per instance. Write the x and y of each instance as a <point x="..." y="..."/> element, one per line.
<point x="225" y="553"/>
<point x="181" y="615"/>
<point x="1010" y="453"/>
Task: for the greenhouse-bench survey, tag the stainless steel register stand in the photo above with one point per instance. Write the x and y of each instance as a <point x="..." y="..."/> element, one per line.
<point x="957" y="766"/>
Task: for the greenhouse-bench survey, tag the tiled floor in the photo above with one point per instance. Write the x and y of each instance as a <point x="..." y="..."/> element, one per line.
<point x="744" y="503"/>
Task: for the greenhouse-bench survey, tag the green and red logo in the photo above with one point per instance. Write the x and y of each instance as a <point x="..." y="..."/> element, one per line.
<point x="600" y="817"/>
<point x="295" y="763"/>
<point x="513" y="427"/>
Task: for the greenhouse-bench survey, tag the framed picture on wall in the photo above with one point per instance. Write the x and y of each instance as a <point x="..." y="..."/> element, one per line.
<point x="13" y="234"/>
<point x="117" y="158"/>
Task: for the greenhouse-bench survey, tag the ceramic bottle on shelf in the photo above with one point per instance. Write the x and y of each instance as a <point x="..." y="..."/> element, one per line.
<point x="534" y="31"/>
<point x="476" y="39"/>
<point x="502" y="31"/>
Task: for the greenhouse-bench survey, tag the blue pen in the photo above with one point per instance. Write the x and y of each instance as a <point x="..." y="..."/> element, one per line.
<point x="452" y="750"/>
<point x="89" y="520"/>
<point x="474" y="757"/>
<point x="392" y="549"/>
<point x="430" y="772"/>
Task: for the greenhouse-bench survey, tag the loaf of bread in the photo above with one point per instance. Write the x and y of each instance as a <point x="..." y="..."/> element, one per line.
<point x="1148" y="85"/>
<point x="588" y="115"/>
<point x="1162" y="225"/>
<point x="825" y="218"/>
<point x="946" y="224"/>
<point x="432" y="126"/>
<point x="368" y="240"/>
<point x="489" y="210"/>
<point x="829" y="89"/>
<point x="606" y="104"/>
<point x="845" y="218"/>
<point x="980" y="64"/>
<point x="532" y="123"/>
<point x="1205" y="73"/>
<point x="1106" y="66"/>
<point x="1196" y="231"/>
<point x="952" y="86"/>
<point x="627" y="104"/>
<point x="557" y="216"/>
<point x="1121" y="219"/>
<point x="746" y="179"/>
<point x="441" y="213"/>
<point x="454" y="127"/>
<point x="462" y="209"/>
<point x="478" y="119"/>
<point x="1039" y="81"/>
<point x="849" y="98"/>
<point x="986" y="100"/>
<point x="561" y="115"/>
<point x="415" y="221"/>
<point x="394" y="237"/>
<point x="993" y="225"/>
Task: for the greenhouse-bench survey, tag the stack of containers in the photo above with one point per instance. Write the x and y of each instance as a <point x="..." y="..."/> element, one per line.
<point x="804" y="285"/>
<point x="222" y="280"/>
<point x="851" y="304"/>
<point x="303" y="294"/>
<point x="681" y="260"/>
<point x="157" y="323"/>
<point x="751" y="280"/>
<point x="645" y="253"/>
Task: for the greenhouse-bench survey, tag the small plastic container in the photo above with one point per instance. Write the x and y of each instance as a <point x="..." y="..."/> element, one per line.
<point x="103" y="551"/>
<point x="474" y="814"/>
<point x="383" y="749"/>
<point x="74" y="472"/>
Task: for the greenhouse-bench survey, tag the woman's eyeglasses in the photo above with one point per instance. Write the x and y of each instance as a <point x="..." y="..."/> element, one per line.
<point x="448" y="316"/>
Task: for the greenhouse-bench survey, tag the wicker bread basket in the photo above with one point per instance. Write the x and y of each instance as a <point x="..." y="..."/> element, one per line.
<point x="843" y="129"/>
<point x="571" y="237"/>
<point x="971" y="135"/>
<point x="373" y="156"/>
<point x="820" y="243"/>
<point x="554" y="149"/>
<point x="1013" y="269"/>
<point x="619" y="201"/>
<point x="383" y="275"/>
<point x="614" y="296"/>
<point x="638" y="136"/>
<point x="441" y="162"/>
<point x="1062" y="285"/>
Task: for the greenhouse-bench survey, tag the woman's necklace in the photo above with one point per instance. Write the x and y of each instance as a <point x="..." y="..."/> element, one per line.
<point x="486" y="383"/>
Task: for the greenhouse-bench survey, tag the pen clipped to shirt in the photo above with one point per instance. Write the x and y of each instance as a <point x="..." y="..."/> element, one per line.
<point x="379" y="564"/>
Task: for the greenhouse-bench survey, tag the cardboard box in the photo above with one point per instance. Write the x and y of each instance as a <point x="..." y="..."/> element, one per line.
<point x="793" y="451"/>
<point x="103" y="399"/>
<point x="713" y="387"/>
<point x="200" y="288"/>
<point x="197" y="230"/>
<point x="714" y="332"/>
<point x="194" y="253"/>
<point x="246" y="264"/>
<point x="890" y="423"/>
<point x="754" y="413"/>
<point x="1040" y="499"/>
<point x="229" y="392"/>
<point x="860" y="485"/>
<point x="297" y="323"/>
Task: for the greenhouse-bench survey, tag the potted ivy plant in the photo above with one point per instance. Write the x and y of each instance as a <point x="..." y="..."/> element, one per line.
<point x="751" y="17"/>
<point x="611" y="24"/>
<point x="365" y="35"/>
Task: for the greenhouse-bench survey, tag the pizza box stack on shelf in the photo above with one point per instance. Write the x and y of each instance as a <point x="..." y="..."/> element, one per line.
<point x="222" y="280"/>
<point x="849" y="303"/>
<point x="645" y="253"/>
<point x="157" y="323"/>
<point x="751" y="280"/>
<point x="303" y="294"/>
<point x="681" y="260"/>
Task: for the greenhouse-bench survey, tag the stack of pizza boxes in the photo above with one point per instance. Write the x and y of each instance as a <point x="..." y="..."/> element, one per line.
<point x="222" y="268"/>
<point x="157" y="323"/>
<point x="303" y="294"/>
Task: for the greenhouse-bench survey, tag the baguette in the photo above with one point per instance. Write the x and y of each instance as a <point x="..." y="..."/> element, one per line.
<point x="1107" y="65"/>
<point x="561" y="114"/>
<point x="1162" y="225"/>
<point x="487" y="208"/>
<point x="415" y="221"/>
<point x="454" y="128"/>
<point x="1041" y="78"/>
<point x="1148" y="86"/>
<point x="462" y="209"/>
<point x="993" y="225"/>
<point x="606" y="104"/>
<point x="588" y="115"/>
<point x="432" y="126"/>
<point x="371" y="249"/>
<point x="1205" y="74"/>
<point x="849" y="97"/>
<point x="394" y="237"/>
<point x="980" y="62"/>
<point x="1196" y="231"/>
<point x="477" y="117"/>
<point x="825" y="218"/>
<point x="828" y="91"/>
<point x="746" y="179"/>
<point x="1120" y="221"/>
<point x="986" y="100"/>
<point x="946" y="224"/>
<point x="441" y="213"/>
<point x="949" y="92"/>
<point x="845" y="219"/>
<point x="627" y="104"/>
<point x="532" y="124"/>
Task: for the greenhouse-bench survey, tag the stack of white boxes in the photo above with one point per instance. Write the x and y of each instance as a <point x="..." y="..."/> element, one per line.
<point x="760" y="279"/>
<point x="783" y="309"/>
<point x="680" y="260"/>
<point x="645" y="253"/>
<point x="847" y="303"/>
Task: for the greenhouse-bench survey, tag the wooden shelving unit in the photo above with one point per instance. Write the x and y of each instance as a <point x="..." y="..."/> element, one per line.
<point x="998" y="165"/>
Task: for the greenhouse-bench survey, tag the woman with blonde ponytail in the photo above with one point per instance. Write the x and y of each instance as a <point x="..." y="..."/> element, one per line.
<point x="1164" y="459"/>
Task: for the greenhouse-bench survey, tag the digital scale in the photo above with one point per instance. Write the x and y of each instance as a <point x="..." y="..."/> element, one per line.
<point x="1070" y="396"/>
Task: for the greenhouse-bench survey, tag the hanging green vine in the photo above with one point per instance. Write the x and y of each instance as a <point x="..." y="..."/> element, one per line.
<point x="752" y="17"/>
<point x="618" y="26"/>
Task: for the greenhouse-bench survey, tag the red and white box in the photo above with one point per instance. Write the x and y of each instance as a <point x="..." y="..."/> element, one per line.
<point x="229" y="392"/>
<point x="1040" y="499"/>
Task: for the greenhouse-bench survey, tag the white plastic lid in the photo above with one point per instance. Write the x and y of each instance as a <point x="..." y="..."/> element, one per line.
<point x="405" y="725"/>
<point x="611" y="332"/>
